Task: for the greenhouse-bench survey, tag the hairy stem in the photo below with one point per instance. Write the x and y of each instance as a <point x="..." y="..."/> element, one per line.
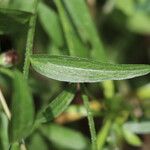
<point x="91" y="122"/>
<point x="30" y="39"/>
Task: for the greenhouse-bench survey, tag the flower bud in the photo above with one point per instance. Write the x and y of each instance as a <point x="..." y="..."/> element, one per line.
<point x="8" y="58"/>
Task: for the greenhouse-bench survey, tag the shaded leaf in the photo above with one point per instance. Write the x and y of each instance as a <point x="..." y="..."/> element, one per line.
<point x="12" y="20"/>
<point x="81" y="17"/>
<point x="65" y="137"/>
<point x="74" y="69"/>
<point x="51" y="24"/>
<point x="75" y="45"/>
<point x="22" y="109"/>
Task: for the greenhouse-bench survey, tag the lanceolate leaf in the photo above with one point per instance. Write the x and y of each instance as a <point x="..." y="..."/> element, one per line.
<point x="74" y="69"/>
<point x="85" y="27"/>
<point x="75" y="45"/>
<point x="22" y="109"/>
<point x="57" y="106"/>
<point x="51" y="24"/>
<point x="65" y="138"/>
<point x="4" y="142"/>
<point x="138" y="127"/>
<point x="131" y="138"/>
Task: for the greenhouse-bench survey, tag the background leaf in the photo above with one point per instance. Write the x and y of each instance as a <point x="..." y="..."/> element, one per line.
<point x="75" y="45"/>
<point x="132" y="138"/>
<point x="85" y="27"/>
<point x="22" y="109"/>
<point x="14" y="17"/>
<point x="138" y="127"/>
<point x="51" y="24"/>
<point x="4" y="142"/>
<point x="38" y="143"/>
<point x="65" y="138"/>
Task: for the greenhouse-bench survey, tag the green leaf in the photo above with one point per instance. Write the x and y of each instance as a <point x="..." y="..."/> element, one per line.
<point x="51" y="24"/>
<point x="65" y="137"/>
<point x="75" y="45"/>
<point x="131" y="138"/>
<point x="139" y="23"/>
<point x="4" y="3"/>
<point x="126" y="6"/>
<point x="22" y="109"/>
<point x="85" y="27"/>
<point x="37" y="143"/>
<point x="15" y="146"/>
<point x="26" y="5"/>
<point x="74" y="69"/>
<point x="138" y="127"/>
<point x="12" y="20"/>
<point x="4" y="142"/>
<point x="143" y="92"/>
<point x="57" y="106"/>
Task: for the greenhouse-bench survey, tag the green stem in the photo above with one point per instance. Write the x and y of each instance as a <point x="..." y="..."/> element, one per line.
<point x="91" y="122"/>
<point x="30" y="39"/>
<point x="102" y="135"/>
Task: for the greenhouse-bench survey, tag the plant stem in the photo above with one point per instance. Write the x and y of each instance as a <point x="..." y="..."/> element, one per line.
<point x="90" y="122"/>
<point x="102" y="135"/>
<point x="4" y="105"/>
<point x="30" y="39"/>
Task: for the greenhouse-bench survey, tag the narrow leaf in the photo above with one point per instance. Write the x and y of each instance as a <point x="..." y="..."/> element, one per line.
<point x="22" y="109"/>
<point x="64" y="137"/>
<point x="75" y="45"/>
<point x="138" y="127"/>
<point x="85" y="27"/>
<point x="57" y="106"/>
<point x="131" y="138"/>
<point x="51" y="24"/>
<point x="4" y="142"/>
<point x="73" y="69"/>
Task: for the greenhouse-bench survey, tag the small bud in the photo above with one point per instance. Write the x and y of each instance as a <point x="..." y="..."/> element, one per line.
<point x="8" y="58"/>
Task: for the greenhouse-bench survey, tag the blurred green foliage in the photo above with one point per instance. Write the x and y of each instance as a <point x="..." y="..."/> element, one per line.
<point x="115" y="31"/>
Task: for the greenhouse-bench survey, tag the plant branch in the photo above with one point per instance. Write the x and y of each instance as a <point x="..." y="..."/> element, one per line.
<point x="30" y="39"/>
<point x="90" y="122"/>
